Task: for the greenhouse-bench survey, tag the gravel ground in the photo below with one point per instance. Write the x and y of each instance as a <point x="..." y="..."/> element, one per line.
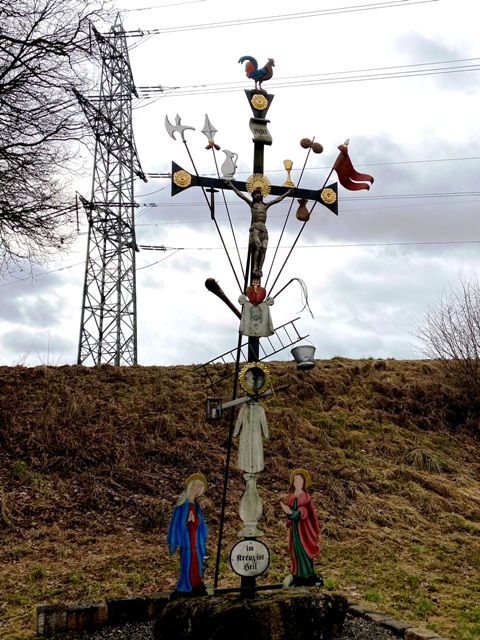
<point x="354" y="629"/>
<point x="359" y="629"/>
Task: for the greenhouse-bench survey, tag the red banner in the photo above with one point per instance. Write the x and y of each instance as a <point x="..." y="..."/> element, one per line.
<point x="347" y="175"/>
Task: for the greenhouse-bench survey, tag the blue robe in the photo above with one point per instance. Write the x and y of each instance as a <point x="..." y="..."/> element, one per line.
<point x="178" y="536"/>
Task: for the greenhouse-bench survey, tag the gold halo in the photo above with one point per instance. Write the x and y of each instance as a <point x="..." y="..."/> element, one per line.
<point x="182" y="179"/>
<point x="306" y="476"/>
<point x="258" y="182"/>
<point x="246" y="386"/>
<point x="328" y="196"/>
<point x="197" y="476"/>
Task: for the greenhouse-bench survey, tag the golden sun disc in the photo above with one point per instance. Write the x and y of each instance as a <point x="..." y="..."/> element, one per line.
<point x="258" y="182"/>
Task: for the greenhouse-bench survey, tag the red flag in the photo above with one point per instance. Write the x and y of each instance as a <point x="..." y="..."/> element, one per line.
<point x="347" y="175"/>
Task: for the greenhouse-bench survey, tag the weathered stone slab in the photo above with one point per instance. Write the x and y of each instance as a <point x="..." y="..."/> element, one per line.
<point x="376" y="617"/>
<point x="397" y="628"/>
<point x="156" y="603"/>
<point x="287" y="615"/>
<point x="127" y="610"/>
<point x="420" y="634"/>
<point x="387" y="622"/>
<point x="60" y="618"/>
<point x="86" y="616"/>
<point x="51" y="619"/>
<point x="360" y="610"/>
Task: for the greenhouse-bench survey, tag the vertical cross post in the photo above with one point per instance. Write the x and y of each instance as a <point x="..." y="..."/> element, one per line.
<point x="258" y="168"/>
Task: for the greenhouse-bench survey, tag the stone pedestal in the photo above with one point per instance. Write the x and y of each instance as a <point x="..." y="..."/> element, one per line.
<point x="251" y="508"/>
<point x="285" y="615"/>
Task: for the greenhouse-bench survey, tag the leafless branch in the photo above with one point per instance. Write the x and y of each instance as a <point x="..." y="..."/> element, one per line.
<point x="450" y="332"/>
<point x="45" y="51"/>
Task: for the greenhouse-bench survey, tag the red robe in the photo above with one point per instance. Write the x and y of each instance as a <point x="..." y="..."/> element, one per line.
<point x="308" y="528"/>
<point x="194" y="571"/>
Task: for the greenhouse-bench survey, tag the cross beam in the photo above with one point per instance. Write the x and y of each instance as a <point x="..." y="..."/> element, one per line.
<point x="182" y="180"/>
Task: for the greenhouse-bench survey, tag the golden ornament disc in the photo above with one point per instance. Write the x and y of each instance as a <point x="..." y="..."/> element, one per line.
<point x="259" y="102"/>
<point x="258" y="182"/>
<point x="182" y="179"/>
<point x="328" y="196"/>
<point x="254" y="378"/>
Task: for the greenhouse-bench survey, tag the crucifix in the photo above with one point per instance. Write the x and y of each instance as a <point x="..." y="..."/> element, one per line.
<point x="251" y="426"/>
<point x="255" y="322"/>
<point x="258" y="233"/>
<point x="257" y="186"/>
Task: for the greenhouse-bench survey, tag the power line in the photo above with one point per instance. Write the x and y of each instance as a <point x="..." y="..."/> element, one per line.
<point x="162" y="260"/>
<point x="353" y="245"/>
<point x="365" y="164"/>
<point x="273" y="215"/>
<point x="406" y="196"/>
<point x="278" y="18"/>
<point x="160" y="6"/>
<point x="457" y="194"/>
<point x="385" y="164"/>
<point x="331" y="77"/>
<point x="313" y="246"/>
<point x="387" y="244"/>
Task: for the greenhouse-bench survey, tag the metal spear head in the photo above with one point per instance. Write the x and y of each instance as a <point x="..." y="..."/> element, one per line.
<point x="208" y="129"/>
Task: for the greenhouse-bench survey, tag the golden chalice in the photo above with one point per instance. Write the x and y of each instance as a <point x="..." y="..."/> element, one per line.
<point x="288" y="164"/>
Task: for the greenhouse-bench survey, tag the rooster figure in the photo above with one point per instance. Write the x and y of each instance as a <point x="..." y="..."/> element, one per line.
<point x="259" y="75"/>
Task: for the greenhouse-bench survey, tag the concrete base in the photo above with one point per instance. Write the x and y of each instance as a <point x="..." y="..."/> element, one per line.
<point x="292" y="615"/>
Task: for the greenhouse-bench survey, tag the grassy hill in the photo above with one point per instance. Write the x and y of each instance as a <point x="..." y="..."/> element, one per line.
<point x="92" y="461"/>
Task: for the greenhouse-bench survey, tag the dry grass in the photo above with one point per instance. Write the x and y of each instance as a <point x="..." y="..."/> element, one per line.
<point x="92" y="459"/>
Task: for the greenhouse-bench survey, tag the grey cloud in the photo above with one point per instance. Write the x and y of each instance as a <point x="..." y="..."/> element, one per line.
<point x="193" y="340"/>
<point x="365" y="217"/>
<point x="32" y="310"/>
<point x="419" y="49"/>
<point x="370" y="307"/>
<point x="37" y="347"/>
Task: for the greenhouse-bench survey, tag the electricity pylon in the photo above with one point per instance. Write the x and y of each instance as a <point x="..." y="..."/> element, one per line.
<point x="108" y="327"/>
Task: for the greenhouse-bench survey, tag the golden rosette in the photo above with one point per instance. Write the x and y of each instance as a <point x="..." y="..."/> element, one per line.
<point x="259" y="102"/>
<point x="328" y="196"/>
<point x="182" y="179"/>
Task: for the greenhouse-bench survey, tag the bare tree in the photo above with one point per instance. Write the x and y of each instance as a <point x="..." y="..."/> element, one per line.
<point x="450" y="332"/>
<point x="44" y="47"/>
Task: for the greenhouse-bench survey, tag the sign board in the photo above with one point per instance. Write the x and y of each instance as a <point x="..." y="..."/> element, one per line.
<point x="261" y="134"/>
<point x="249" y="558"/>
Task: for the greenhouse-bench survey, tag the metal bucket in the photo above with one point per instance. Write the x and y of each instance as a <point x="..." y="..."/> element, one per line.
<point x="304" y="356"/>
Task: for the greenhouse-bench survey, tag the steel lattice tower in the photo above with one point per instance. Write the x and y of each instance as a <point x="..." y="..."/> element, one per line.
<point x="108" y="329"/>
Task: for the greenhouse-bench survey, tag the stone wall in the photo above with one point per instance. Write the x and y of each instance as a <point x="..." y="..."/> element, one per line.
<point x="60" y="618"/>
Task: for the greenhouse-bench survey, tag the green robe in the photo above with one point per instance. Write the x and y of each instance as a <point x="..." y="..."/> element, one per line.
<point x="304" y="563"/>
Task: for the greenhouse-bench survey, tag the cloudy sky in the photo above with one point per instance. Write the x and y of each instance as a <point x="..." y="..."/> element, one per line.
<point x="400" y="79"/>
